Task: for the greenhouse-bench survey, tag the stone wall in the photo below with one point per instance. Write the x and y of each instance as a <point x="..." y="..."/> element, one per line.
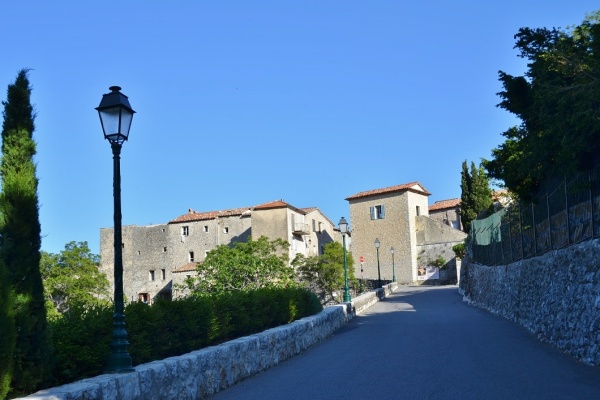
<point x="203" y="373"/>
<point x="555" y="296"/>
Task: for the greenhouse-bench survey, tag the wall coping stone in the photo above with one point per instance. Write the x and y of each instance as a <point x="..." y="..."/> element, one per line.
<point x="204" y="372"/>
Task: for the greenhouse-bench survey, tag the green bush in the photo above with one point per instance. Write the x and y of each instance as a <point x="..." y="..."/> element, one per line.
<point x="82" y="335"/>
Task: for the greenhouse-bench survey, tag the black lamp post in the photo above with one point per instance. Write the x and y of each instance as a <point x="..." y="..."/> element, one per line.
<point x="393" y="266"/>
<point x="377" y="244"/>
<point x="115" y="116"/>
<point x="343" y="224"/>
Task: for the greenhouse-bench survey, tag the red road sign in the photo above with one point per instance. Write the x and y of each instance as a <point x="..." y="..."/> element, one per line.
<point x="362" y="259"/>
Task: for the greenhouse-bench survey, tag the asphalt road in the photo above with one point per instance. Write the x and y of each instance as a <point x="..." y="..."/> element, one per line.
<point x="425" y="343"/>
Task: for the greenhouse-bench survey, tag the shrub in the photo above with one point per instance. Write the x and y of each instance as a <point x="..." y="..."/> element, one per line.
<point x="82" y="335"/>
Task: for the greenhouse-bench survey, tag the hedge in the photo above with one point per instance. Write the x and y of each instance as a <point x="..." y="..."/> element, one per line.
<point x="82" y="335"/>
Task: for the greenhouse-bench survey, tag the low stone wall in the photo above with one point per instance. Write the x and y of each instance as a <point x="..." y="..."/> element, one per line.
<point x="202" y="373"/>
<point x="556" y="296"/>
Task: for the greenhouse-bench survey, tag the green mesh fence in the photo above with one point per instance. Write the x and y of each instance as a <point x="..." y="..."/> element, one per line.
<point x="568" y="212"/>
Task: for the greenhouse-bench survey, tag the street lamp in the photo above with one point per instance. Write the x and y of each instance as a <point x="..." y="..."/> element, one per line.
<point x="377" y="244"/>
<point x="393" y="266"/>
<point x="344" y="229"/>
<point x="115" y="116"/>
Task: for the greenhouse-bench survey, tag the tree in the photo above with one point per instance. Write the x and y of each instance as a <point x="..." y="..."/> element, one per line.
<point x="557" y="102"/>
<point x="72" y="277"/>
<point x="20" y="239"/>
<point x="325" y="274"/>
<point x="7" y="327"/>
<point x="247" y="265"/>
<point x="476" y="195"/>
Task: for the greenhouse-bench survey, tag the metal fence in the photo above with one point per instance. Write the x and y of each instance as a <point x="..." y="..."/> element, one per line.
<point x="567" y="212"/>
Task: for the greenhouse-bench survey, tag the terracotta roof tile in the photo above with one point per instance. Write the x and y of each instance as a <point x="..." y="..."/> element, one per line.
<point x="191" y="266"/>
<point x="444" y="204"/>
<point x="203" y="216"/>
<point x="412" y="186"/>
<point x="277" y="204"/>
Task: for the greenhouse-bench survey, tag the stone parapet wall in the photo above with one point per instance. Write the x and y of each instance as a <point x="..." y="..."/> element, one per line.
<point x="204" y="372"/>
<point x="555" y="296"/>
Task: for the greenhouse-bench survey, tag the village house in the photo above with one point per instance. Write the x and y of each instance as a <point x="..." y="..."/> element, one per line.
<point x="158" y="258"/>
<point x="398" y="217"/>
<point x="447" y="212"/>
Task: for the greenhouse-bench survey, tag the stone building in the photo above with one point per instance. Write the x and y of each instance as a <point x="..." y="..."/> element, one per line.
<point x="394" y="215"/>
<point x="447" y="212"/>
<point x="156" y="258"/>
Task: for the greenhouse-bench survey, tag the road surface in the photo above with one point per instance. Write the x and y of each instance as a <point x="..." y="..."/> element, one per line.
<point x="425" y="343"/>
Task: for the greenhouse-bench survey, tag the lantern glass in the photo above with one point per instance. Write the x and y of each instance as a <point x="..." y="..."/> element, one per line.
<point x="377" y="243"/>
<point x="115" y="116"/>
<point x="343" y="224"/>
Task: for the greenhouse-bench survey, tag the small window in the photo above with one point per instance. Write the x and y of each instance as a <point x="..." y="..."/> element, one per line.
<point x="163" y="229"/>
<point x="205" y="228"/>
<point x="377" y="212"/>
<point x="185" y="231"/>
<point x="226" y="229"/>
<point x="191" y="256"/>
<point x="163" y="274"/>
<point x="165" y="249"/>
<point x="418" y="210"/>
<point x="314" y="225"/>
<point x="139" y="252"/>
<point x="143" y="297"/>
<point x="151" y="275"/>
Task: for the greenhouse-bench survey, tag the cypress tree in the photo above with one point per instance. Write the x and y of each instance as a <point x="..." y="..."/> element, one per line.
<point x="7" y="329"/>
<point x="476" y="195"/>
<point x="20" y="239"/>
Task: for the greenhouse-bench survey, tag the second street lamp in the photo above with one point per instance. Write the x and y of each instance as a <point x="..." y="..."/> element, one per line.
<point x="393" y="266"/>
<point x="343" y="224"/>
<point x="115" y="116"/>
<point x="377" y="244"/>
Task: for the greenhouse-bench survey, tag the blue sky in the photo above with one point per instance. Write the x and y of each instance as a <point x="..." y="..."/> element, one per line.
<point x="244" y="102"/>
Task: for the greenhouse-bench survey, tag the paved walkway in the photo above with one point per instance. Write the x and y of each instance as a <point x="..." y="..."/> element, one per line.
<point x="425" y="343"/>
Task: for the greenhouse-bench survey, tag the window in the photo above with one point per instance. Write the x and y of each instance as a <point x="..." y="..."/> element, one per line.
<point x="205" y="228"/>
<point x="226" y="229"/>
<point x="151" y="275"/>
<point x="185" y="231"/>
<point x="163" y="274"/>
<point x="377" y="212"/>
<point x="418" y="210"/>
<point x="165" y="249"/>
<point x="191" y="256"/>
<point x="143" y="297"/>
<point x="139" y="252"/>
<point x="314" y="225"/>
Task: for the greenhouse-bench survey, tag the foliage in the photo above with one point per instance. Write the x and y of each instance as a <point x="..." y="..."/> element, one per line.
<point x="72" y="276"/>
<point x="557" y="102"/>
<point x="7" y="327"/>
<point x="476" y="195"/>
<point x="20" y="239"/>
<point x="82" y="334"/>
<point x="325" y="273"/>
<point x="459" y="250"/>
<point x="439" y="262"/>
<point x="250" y="265"/>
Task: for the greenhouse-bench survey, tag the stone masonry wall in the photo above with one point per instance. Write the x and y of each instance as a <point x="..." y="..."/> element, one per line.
<point x="202" y="373"/>
<point x="556" y="296"/>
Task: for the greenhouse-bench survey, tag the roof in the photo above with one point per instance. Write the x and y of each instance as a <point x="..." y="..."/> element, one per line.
<point x="309" y="210"/>
<point x="191" y="266"/>
<point x="244" y="211"/>
<point x="445" y="204"/>
<point x="412" y="186"/>
<point x="277" y="204"/>
<point x="203" y="216"/>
